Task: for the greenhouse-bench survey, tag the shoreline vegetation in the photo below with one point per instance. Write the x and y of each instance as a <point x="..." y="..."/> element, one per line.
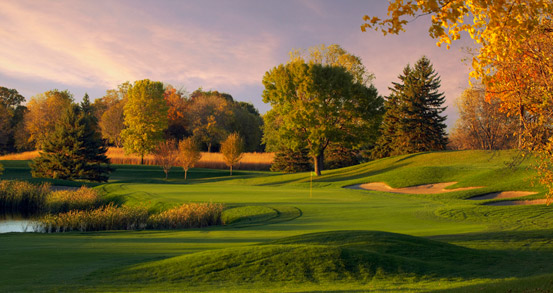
<point x="85" y="209"/>
<point x="249" y="161"/>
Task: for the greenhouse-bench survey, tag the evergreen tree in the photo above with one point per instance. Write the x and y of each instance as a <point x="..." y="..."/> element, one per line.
<point x="74" y="150"/>
<point x="413" y="121"/>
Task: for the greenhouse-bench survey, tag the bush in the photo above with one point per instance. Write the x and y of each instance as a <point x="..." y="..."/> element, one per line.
<point x="290" y="161"/>
<point x="338" y="157"/>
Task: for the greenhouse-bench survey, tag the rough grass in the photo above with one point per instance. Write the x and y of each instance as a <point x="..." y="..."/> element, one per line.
<point x="433" y="242"/>
<point x="249" y="161"/>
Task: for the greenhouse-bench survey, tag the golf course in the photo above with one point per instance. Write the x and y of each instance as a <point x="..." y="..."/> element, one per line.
<point x="298" y="233"/>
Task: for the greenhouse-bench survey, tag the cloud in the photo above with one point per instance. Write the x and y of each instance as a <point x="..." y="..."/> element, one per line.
<point x="83" y="45"/>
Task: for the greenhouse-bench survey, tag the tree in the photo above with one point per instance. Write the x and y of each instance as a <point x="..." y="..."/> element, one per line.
<point x="145" y="117"/>
<point x="188" y="155"/>
<point x="178" y="107"/>
<point x="481" y="123"/>
<point x="1" y="169"/>
<point x="45" y="113"/>
<point x="414" y="123"/>
<point x="232" y="149"/>
<point x="314" y="105"/>
<point x="11" y="118"/>
<point x="513" y="60"/>
<point x="74" y="150"/>
<point x="165" y="155"/>
<point x="247" y="123"/>
<point x="112" y="122"/>
<point x="210" y="118"/>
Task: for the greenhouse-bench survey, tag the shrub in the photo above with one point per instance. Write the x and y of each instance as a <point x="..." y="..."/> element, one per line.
<point x="290" y="161"/>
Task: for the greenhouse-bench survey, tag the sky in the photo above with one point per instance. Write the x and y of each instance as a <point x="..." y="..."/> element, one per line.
<point x="92" y="46"/>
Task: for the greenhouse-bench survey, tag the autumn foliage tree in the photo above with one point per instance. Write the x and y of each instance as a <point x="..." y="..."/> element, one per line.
<point x="11" y="118"/>
<point x="513" y="58"/>
<point x="44" y="114"/>
<point x="188" y="154"/>
<point x="145" y="117"/>
<point x="165" y="155"/>
<point x="232" y="149"/>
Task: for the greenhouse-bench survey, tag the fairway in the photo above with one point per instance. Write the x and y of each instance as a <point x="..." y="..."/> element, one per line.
<point x="294" y="232"/>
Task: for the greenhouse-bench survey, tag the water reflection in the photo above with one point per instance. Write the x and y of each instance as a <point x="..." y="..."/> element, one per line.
<point x="15" y="223"/>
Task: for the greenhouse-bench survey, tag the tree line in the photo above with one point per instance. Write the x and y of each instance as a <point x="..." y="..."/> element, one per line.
<point x="326" y="113"/>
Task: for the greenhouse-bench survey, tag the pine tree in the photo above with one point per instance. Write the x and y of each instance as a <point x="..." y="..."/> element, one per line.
<point x="413" y="121"/>
<point x="74" y="150"/>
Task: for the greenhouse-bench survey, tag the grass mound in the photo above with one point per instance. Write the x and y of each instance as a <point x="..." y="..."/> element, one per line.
<point x="248" y="214"/>
<point x="338" y="256"/>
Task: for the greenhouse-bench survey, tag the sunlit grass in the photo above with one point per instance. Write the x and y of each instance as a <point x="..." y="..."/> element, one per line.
<point x="250" y="161"/>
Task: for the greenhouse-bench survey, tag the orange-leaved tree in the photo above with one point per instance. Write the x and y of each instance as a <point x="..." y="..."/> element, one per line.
<point x="232" y="149"/>
<point x="513" y="60"/>
<point x="189" y="154"/>
<point x="165" y="155"/>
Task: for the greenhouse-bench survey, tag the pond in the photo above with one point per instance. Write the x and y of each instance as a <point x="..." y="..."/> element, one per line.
<point x="16" y="224"/>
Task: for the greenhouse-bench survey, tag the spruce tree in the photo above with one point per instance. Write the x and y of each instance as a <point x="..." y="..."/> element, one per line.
<point x="74" y="150"/>
<point x="413" y="121"/>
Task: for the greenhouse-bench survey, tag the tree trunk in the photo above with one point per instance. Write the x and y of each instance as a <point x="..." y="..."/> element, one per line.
<point x="209" y="147"/>
<point x="230" y="170"/>
<point x="166" y="175"/>
<point x="141" y="159"/>
<point x="185" y="171"/>
<point x="318" y="161"/>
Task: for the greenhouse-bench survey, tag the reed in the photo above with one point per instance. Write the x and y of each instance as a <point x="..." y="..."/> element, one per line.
<point x="21" y="197"/>
<point x="191" y="215"/>
<point x="66" y="200"/>
<point x="19" y="156"/>
<point x="111" y="217"/>
<point x="108" y="217"/>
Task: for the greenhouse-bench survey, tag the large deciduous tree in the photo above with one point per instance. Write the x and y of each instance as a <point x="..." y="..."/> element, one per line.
<point x="316" y="104"/>
<point x="44" y="113"/>
<point x="109" y="110"/>
<point x="74" y="150"/>
<point x="145" y="117"/>
<point x="210" y="118"/>
<point x="413" y="121"/>
<point x="481" y="123"/>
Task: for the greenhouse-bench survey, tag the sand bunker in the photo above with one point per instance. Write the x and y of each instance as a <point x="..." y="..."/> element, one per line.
<point x="502" y="194"/>
<point x="518" y="202"/>
<point x="419" y="189"/>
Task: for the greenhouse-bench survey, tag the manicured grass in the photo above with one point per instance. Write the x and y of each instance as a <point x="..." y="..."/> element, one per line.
<point x="327" y="238"/>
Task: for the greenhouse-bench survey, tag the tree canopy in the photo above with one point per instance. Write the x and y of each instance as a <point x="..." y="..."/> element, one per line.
<point x="315" y="104"/>
<point x="145" y="117"/>
<point x="74" y="150"/>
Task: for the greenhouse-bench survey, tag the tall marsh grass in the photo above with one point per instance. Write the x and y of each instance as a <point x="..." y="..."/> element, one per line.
<point x="66" y="200"/>
<point x="191" y="215"/>
<point x="27" y="199"/>
<point x="21" y="197"/>
<point x="250" y="161"/>
<point x="110" y="217"/>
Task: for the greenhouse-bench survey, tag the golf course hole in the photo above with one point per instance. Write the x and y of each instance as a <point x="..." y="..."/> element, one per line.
<point x="434" y="188"/>
<point x="313" y="258"/>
